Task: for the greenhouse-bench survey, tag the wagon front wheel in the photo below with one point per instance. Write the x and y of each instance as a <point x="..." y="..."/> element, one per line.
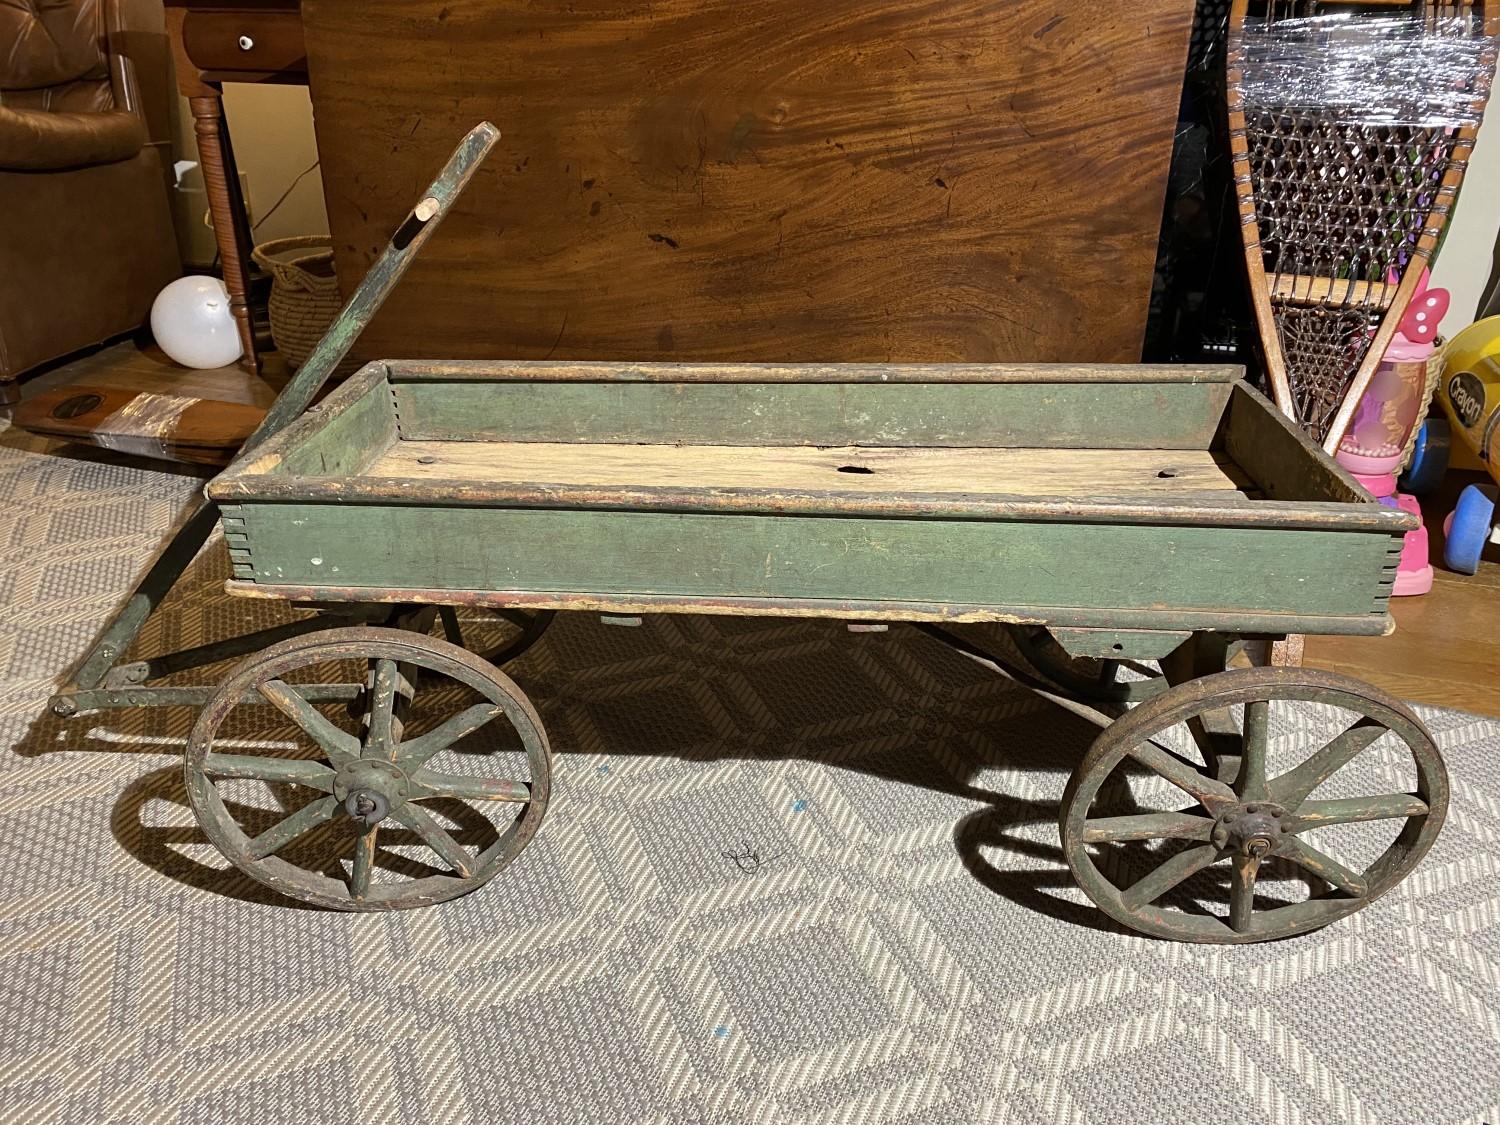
<point x="432" y="787"/>
<point x="1182" y="823"/>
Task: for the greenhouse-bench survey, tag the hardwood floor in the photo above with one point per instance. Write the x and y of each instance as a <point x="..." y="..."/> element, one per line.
<point x="1446" y="648"/>
<point x="1445" y="651"/>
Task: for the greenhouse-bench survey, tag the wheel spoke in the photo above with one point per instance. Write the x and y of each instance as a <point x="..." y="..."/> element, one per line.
<point x="1350" y="810"/>
<point x="381" y="739"/>
<point x="1292" y="787"/>
<point x="339" y="746"/>
<point x="435" y="837"/>
<point x="293" y="771"/>
<point x="1324" y="866"/>
<point x="282" y="833"/>
<point x="1147" y="826"/>
<point x="364" y="863"/>
<point x="1182" y="866"/>
<point x="1251" y="781"/>
<point x="1183" y="774"/>
<point x="430" y="784"/>
<point x="1242" y="892"/>
<point x="410" y="755"/>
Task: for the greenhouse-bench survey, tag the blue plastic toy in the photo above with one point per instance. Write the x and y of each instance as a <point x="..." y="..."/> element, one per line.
<point x="1471" y="527"/>
<point x="1429" y="457"/>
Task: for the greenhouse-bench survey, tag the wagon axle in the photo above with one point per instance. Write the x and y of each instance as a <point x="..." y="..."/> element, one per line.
<point x="1251" y="830"/>
<point x="367" y="806"/>
<point x="370" y="789"/>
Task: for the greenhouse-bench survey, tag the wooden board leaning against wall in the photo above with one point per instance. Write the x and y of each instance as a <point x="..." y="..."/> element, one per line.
<point x="767" y="180"/>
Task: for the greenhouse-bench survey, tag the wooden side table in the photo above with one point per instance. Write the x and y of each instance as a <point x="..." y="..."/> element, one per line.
<point x="218" y="41"/>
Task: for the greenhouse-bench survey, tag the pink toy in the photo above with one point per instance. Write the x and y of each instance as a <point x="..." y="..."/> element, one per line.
<point x="1414" y="573"/>
<point x="1376" y="440"/>
<point x="1392" y="404"/>
<point x="1387" y="414"/>
<point x="1425" y="313"/>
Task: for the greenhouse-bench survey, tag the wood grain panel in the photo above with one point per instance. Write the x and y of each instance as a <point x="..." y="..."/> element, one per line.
<point x="1017" y="472"/>
<point x="165" y="425"/>
<point x="265" y="42"/>
<point x="868" y="180"/>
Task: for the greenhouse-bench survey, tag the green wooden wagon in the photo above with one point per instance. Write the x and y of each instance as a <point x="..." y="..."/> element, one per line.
<point x="1106" y="516"/>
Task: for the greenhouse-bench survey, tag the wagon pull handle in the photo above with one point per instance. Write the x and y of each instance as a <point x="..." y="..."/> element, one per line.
<point x="378" y="282"/>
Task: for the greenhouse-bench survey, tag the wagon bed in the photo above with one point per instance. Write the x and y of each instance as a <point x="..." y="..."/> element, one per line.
<point x="1114" y="496"/>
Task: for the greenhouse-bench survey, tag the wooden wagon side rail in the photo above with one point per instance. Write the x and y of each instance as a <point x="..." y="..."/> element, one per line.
<point x="1165" y="509"/>
<point x="1374" y="623"/>
<point x="549" y="371"/>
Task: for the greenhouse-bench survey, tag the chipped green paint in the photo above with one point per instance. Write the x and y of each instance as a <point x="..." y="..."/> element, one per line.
<point x="378" y="282"/>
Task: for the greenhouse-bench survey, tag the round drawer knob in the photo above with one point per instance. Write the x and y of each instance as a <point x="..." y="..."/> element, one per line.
<point x="246" y="43"/>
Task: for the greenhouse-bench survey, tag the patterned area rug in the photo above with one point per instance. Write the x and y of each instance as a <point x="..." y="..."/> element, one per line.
<point x="789" y="874"/>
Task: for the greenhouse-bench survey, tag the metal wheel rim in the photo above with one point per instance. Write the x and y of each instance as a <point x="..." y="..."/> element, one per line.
<point x="1236" y="687"/>
<point x="367" y="643"/>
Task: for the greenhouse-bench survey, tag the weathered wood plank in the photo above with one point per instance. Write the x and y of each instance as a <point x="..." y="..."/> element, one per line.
<point x="1216" y="509"/>
<point x="1037" y="415"/>
<point x="350" y="436"/>
<point x="1133" y="644"/>
<point x="1283" y="461"/>
<point x="1015" y="472"/>
<point x="308" y="429"/>
<point x="1011" y="562"/>
<point x="560" y="371"/>
<point x="630" y="606"/>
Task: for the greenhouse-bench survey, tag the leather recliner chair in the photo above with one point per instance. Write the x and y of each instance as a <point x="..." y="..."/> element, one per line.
<point x="86" y="238"/>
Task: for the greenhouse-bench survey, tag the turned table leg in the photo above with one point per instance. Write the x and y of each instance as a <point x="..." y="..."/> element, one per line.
<point x="231" y="230"/>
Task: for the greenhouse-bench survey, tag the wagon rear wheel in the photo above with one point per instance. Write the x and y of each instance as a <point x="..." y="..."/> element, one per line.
<point x="1167" y="846"/>
<point x="383" y="812"/>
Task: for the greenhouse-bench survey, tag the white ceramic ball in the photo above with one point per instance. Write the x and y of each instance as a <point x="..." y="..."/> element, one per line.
<point x="191" y="321"/>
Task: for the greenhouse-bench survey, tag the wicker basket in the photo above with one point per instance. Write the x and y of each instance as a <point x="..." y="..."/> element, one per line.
<point x="304" y="294"/>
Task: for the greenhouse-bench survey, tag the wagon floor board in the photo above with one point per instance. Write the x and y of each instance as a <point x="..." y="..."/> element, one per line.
<point x="1031" y="472"/>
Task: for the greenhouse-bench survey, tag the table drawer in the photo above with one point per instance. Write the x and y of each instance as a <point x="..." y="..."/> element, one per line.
<point x="261" y="42"/>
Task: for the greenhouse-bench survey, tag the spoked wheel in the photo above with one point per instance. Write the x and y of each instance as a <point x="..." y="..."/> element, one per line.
<point x="501" y="636"/>
<point x="1096" y="681"/>
<point x="1266" y="854"/>
<point x="385" y="812"/>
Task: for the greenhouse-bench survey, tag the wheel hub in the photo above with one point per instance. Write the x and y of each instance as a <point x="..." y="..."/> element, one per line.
<point x="1253" y="829"/>
<point x="369" y="789"/>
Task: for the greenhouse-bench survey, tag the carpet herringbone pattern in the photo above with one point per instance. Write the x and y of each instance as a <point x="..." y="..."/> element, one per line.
<point x="789" y="875"/>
